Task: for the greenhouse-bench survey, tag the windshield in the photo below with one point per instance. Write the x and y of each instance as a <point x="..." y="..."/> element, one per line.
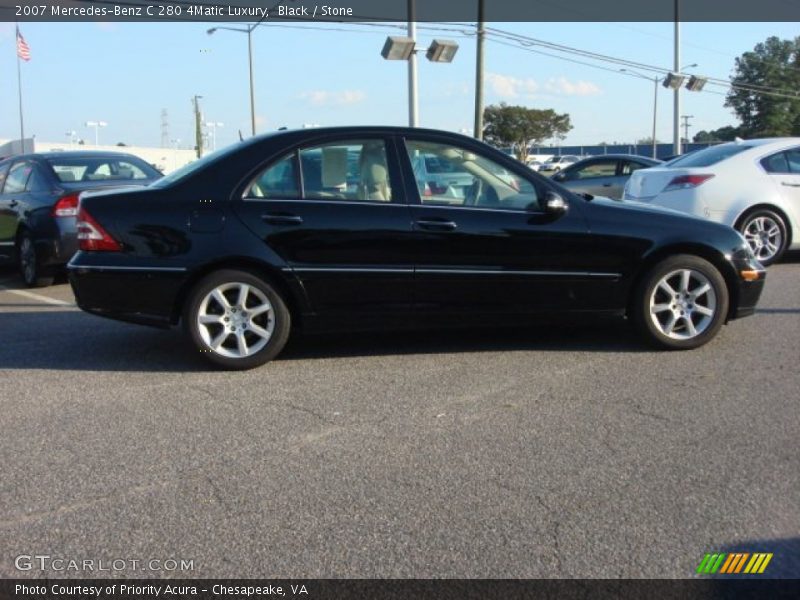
<point x="709" y="156"/>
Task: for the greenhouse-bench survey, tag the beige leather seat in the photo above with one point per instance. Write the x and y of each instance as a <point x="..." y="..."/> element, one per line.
<point x="374" y="183"/>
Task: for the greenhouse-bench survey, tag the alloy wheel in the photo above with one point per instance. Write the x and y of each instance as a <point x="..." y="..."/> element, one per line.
<point x="235" y="320"/>
<point x="683" y="304"/>
<point x="764" y="236"/>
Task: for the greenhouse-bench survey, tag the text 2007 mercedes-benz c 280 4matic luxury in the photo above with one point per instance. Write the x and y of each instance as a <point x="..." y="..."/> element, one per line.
<point x="329" y="229"/>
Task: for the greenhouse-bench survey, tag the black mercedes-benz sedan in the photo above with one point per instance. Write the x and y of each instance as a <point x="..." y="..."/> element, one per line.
<point x="39" y="203"/>
<point x="324" y="229"/>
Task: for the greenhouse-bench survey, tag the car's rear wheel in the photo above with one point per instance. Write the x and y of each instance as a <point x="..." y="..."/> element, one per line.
<point x="681" y="303"/>
<point x="765" y="232"/>
<point x="28" y="262"/>
<point x="236" y="319"/>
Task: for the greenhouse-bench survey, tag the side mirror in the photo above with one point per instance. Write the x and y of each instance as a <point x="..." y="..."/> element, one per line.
<point x="554" y="204"/>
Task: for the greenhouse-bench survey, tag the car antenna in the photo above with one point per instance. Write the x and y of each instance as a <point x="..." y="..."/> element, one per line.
<point x="241" y="138"/>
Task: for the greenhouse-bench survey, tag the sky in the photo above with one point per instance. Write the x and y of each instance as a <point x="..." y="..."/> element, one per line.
<point x="127" y="73"/>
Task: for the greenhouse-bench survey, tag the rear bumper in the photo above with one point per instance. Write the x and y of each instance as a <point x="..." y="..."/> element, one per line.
<point x="146" y="296"/>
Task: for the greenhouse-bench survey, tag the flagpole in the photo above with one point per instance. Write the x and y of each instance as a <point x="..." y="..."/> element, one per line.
<point x="19" y="89"/>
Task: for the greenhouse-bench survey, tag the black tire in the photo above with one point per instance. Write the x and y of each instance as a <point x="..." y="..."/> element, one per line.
<point x="236" y="321"/>
<point x="28" y="263"/>
<point x="685" y="309"/>
<point x="750" y="221"/>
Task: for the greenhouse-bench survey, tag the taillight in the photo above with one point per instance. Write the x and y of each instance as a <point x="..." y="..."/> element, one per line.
<point x="91" y="235"/>
<point x="67" y="206"/>
<point x="685" y="182"/>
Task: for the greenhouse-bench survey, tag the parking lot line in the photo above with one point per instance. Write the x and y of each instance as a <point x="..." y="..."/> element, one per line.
<point x="37" y="297"/>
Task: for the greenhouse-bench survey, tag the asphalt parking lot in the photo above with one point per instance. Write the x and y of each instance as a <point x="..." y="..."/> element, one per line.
<point x="552" y="452"/>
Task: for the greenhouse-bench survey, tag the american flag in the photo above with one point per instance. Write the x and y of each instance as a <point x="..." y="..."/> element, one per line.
<point x="23" y="51"/>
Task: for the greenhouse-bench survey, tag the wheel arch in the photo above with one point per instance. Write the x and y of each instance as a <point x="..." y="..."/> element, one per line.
<point x="291" y="291"/>
<point x="708" y="253"/>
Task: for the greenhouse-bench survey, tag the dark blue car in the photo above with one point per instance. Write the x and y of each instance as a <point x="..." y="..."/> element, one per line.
<point x="39" y="204"/>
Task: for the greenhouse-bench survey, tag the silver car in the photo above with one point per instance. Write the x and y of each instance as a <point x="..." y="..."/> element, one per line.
<point x="603" y="175"/>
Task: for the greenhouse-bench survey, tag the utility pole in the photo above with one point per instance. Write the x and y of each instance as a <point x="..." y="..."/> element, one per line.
<point x="198" y="127"/>
<point x="686" y="126"/>
<point x="655" y="112"/>
<point x="478" y="128"/>
<point x="164" y="128"/>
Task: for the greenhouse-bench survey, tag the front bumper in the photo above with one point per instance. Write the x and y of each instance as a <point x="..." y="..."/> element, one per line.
<point x="750" y="276"/>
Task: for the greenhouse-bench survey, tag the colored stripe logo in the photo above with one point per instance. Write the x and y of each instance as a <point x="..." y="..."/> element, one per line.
<point x="734" y="563"/>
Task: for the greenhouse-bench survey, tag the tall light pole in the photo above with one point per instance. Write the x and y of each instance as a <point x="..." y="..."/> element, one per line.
<point x="413" y="100"/>
<point x="198" y="130"/>
<point x="478" y="128"/>
<point x="249" y="31"/>
<point x="97" y="125"/>
<point x="676" y="116"/>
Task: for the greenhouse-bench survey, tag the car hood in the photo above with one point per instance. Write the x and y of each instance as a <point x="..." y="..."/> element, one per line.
<point x="643" y="207"/>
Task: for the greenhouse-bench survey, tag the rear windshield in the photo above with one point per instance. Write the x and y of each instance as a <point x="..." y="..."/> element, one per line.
<point x="101" y="168"/>
<point x="709" y="156"/>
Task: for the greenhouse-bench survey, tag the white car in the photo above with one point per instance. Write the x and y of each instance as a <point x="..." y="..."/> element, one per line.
<point x="535" y="165"/>
<point x="556" y="163"/>
<point x="751" y="185"/>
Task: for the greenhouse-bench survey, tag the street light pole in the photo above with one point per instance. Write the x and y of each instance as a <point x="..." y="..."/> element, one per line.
<point x="413" y="101"/>
<point x="252" y="89"/>
<point x="478" y="128"/>
<point x="676" y="117"/>
<point x="249" y="31"/>
<point x="655" y="112"/>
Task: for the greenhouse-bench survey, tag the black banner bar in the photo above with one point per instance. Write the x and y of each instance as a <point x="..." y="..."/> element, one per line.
<point x="396" y="10"/>
<point x="405" y="589"/>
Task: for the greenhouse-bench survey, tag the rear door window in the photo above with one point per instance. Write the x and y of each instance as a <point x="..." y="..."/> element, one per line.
<point x="3" y="173"/>
<point x="355" y="170"/>
<point x="17" y="178"/>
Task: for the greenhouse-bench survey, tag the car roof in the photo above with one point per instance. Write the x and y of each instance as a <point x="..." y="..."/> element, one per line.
<point x="620" y="156"/>
<point x="73" y="154"/>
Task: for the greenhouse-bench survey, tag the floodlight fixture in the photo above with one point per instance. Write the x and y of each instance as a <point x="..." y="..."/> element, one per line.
<point x="398" y="48"/>
<point x="442" y="51"/>
<point x="673" y="81"/>
<point x="696" y="84"/>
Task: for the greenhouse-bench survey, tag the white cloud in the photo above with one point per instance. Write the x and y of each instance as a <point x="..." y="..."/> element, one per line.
<point x="327" y="98"/>
<point x="508" y="86"/>
<point x="564" y="87"/>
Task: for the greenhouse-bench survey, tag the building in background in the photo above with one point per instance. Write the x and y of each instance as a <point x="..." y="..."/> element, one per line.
<point x="163" y="159"/>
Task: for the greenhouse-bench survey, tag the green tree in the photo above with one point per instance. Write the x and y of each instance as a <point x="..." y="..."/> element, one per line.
<point x="519" y="126"/>
<point x="723" y="134"/>
<point x="775" y="64"/>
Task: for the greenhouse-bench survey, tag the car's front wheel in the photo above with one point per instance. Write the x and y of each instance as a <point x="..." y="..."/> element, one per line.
<point x="765" y="232"/>
<point x="681" y="303"/>
<point x="236" y="319"/>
